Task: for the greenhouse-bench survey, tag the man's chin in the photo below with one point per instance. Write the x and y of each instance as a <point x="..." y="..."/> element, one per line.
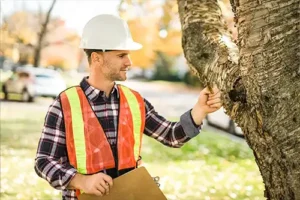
<point x="124" y="76"/>
<point x="121" y="78"/>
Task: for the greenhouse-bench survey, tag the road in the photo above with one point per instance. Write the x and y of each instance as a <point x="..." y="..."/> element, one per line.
<point x="169" y="99"/>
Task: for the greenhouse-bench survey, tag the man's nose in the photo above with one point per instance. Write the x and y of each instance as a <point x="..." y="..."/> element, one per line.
<point x="128" y="61"/>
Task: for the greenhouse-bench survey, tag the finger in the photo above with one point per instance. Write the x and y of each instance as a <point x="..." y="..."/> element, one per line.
<point x="205" y="91"/>
<point x="216" y="105"/>
<point x="105" y="185"/>
<point x="97" y="192"/>
<point x="100" y="189"/>
<point x="214" y="98"/>
<point x="215" y="89"/>
<point x="214" y="101"/>
<point x="217" y="95"/>
<point x="214" y="92"/>
<point x="108" y="180"/>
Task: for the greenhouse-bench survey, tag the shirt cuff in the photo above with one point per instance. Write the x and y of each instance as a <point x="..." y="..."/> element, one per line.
<point x="189" y="126"/>
<point x="68" y="177"/>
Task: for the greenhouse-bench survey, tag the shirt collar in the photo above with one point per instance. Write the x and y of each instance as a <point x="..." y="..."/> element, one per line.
<point x="93" y="93"/>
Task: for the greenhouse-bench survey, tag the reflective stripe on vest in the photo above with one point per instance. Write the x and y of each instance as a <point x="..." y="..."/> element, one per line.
<point x="131" y="119"/>
<point x="88" y="149"/>
<point x="136" y="119"/>
<point x="78" y="130"/>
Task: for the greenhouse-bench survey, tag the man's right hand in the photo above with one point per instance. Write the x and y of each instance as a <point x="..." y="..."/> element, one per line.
<point x="97" y="184"/>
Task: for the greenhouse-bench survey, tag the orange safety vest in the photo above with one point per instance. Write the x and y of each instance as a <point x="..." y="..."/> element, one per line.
<point x="87" y="146"/>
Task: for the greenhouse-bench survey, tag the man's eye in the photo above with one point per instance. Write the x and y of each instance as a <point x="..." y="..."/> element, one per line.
<point x="122" y="56"/>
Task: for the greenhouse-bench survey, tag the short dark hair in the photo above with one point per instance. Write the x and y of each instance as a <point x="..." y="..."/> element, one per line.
<point x="89" y="52"/>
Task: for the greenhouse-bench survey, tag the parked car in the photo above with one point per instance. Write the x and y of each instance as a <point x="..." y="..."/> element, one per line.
<point x="32" y="82"/>
<point x="222" y="121"/>
<point x="6" y="64"/>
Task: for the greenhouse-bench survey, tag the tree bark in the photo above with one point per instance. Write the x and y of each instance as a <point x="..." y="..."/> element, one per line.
<point x="39" y="46"/>
<point x="262" y="90"/>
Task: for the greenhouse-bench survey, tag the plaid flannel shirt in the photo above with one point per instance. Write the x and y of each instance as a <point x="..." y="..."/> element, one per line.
<point x="51" y="161"/>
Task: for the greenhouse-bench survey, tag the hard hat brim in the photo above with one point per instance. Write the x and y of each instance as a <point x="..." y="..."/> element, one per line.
<point x="129" y="45"/>
<point x="133" y="46"/>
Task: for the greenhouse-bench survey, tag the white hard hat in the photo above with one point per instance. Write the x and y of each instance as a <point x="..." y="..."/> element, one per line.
<point x="107" y="32"/>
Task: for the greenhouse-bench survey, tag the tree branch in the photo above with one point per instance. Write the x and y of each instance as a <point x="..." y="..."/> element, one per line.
<point x="62" y="41"/>
<point x="209" y="47"/>
<point x="42" y="35"/>
<point x="45" y="24"/>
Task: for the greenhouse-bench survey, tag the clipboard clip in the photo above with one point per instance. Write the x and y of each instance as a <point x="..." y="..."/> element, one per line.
<point x="156" y="180"/>
<point x="138" y="162"/>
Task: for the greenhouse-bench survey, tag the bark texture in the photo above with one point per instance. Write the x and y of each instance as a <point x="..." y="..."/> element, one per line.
<point x="262" y="90"/>
<point x="210" y="47"/>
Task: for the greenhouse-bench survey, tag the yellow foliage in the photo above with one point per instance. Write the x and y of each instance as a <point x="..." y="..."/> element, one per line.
<point x="143" y="31"/>
<point x="146" y="31"/>
<point x="171" y="45"/>
<point x="21" y="24"/>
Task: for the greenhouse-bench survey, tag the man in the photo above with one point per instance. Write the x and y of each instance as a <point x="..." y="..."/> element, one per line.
<point x="93" y="132"/>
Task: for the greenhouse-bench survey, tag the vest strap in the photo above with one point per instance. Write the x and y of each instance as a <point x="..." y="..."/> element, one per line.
<point x="136" y="119"/>
<point x="78" y="129"/>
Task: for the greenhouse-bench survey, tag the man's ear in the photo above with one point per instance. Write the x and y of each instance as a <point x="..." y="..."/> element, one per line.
<point x="96" y="57"/>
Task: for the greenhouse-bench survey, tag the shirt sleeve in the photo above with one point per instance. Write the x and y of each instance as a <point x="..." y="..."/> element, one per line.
<point x="51" y="162"/>
<point x="172" y="134"/>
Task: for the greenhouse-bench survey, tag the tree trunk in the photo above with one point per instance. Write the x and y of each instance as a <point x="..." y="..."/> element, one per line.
<point x="38" y="48"/>
<point x="261" y="91"/>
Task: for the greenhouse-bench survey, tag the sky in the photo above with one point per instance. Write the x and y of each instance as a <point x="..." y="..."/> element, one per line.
<point x="75" y="12"/>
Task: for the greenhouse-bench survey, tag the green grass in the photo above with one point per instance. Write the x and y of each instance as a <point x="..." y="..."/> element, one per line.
<point x="210" y="166"/>
<point x="20" y="133"/>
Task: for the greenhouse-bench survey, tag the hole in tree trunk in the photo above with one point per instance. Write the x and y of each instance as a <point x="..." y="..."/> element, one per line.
<point x="238" y="93"/>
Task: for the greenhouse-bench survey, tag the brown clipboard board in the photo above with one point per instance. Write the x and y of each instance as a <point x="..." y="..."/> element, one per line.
<point x="134" y="185"/>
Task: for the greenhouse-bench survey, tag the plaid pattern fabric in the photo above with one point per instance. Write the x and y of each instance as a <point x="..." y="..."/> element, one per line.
<point x="51" y="161"/>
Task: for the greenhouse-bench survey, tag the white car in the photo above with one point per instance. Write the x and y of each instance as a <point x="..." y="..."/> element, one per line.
<point x="222" y="121"/>
<point x="32" y="82"/>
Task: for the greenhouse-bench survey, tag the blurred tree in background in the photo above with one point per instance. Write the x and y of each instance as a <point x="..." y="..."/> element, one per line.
<point x="39" y="39"/>
<point x="41" y="35"/>
<point x="164" y="69"/>
<point x="160" y="39"/>
<point x="143" y="31"/>
<point x="18" y="36"/>
<point x="156" y="25"/>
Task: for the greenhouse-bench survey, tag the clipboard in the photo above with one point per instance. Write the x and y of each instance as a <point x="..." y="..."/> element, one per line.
<point x="134" y="185"/>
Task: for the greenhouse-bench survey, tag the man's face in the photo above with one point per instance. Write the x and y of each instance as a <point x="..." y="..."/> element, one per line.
<point x="115" y="65"/>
